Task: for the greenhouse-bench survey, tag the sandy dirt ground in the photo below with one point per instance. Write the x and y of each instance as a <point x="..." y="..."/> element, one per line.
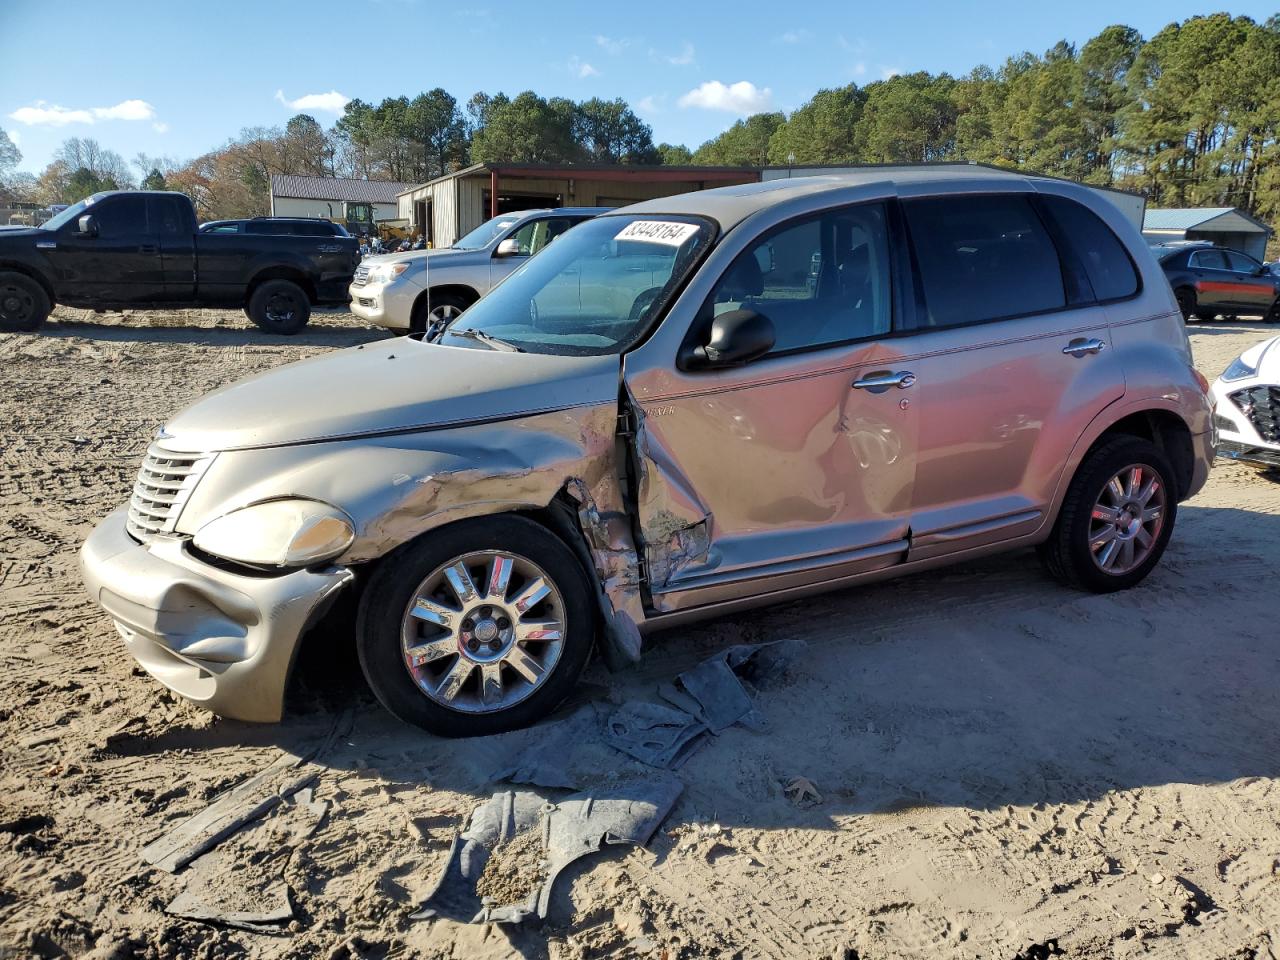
<point x="1002" y="763"/>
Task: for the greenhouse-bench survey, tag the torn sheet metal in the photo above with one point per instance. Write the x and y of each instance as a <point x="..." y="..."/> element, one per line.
<point x="675" y="524"/>
<point x="613" y="554"/>
<point x="561" y="832"/>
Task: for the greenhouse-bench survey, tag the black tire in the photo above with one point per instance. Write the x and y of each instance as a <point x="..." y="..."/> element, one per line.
<point x="447" y="303"/>
<point x="1273" y="315"/>
<point x="1067" y="555"/>
<point x="279" y="306"/>
<point x="24" y="305"/>
<point x="1187" y="304"/>
<point x="394" y="584"/>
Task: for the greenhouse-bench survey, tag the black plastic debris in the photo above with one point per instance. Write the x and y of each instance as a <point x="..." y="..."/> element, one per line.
<point x="654" y="733"/>
<point x="265" y="913"/>
<point x="556" y="833"/>
<point x="553" y="754"/>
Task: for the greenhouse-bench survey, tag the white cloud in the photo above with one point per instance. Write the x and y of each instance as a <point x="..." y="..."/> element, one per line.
<point x="15" y="136"/>
<point x="611" y="46"/>
<point x="651" y="104"/>
<point x="740" y="97"/>
<point x="887" y="73"/>
<point x="681" y="59"/>
<point x="44" y="114"/>
<point x="859" y="69"/>
<point x="160" y="127"/>
<point x="331" y="102"/>
<point x="794" y="36"/>
<point x="126" y="110"/>
<point x="581" y="69"/>
<point x="41" y="114"/>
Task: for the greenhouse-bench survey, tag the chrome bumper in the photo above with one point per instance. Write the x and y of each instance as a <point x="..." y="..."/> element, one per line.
<point x="224" y="641"/>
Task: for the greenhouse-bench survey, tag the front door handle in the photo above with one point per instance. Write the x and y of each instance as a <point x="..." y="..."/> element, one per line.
<point x="148" y="248"/>
<point x="876" y="382"/>
<point x="1081" y="346"/>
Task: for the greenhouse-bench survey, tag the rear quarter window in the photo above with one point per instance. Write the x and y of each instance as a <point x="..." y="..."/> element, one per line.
<point x="982" y="258"/>
<point x="1105" y="260"/>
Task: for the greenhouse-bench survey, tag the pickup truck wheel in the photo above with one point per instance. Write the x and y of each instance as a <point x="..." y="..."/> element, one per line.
<point x="279" y="306"/>
<point x="1116" y="519"/>
<point x="475" y="629"/>
<point x="23" y="303"/>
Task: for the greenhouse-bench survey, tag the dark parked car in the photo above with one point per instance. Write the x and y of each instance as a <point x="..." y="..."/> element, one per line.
<point x="278" y="226"/>
<point x="1210" y="281"/>
<point x="142" y="250"/>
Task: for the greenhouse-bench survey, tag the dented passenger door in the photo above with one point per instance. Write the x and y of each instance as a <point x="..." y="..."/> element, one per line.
<point x="778" y="473"/>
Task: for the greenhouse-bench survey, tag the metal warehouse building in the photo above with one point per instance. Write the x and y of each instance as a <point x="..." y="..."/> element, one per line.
<point x="1225" y="226"/>
<point x="448" y="207"/>
<point x="358" y="204"/>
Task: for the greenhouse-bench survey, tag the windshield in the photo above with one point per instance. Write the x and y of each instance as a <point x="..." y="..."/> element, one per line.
<point x="69" y="214"/>
<point x="590" y="293"/>
<point x="482" y="235"/>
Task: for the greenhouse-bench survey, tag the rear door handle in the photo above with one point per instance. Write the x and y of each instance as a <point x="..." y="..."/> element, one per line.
<point x="148" y="248"/>
<point x="1081" y="346"/>
<point x="876" y="382"/>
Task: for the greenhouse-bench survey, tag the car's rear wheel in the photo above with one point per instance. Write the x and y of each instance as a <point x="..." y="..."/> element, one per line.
<point x="1116" y="518"/>
<point x="1187" y="304"/>
<point x="440" y="311"/>
<point x="481" y="627"/>
<point x="23" y="303"/>
<point x="1273" y="315"/>
<point x="279" y="306"/>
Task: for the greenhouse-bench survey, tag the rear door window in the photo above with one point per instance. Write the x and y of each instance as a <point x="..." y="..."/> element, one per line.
<point x="982" y="258"/>
<point x="169" y="221"/>
<point x="1209" y="260"/>
<point x="1104" y="258"/>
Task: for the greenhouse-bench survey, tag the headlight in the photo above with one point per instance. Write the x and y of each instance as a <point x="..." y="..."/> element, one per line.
<point x="386" y="272"/>
<point x="1238" y="370"/>
<point x="278" y="533"/>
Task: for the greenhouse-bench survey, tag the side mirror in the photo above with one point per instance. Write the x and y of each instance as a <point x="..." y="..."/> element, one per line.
<point x="737" y="337"/>
<point x="509" y="247"/>
<point x="87" y="225"/>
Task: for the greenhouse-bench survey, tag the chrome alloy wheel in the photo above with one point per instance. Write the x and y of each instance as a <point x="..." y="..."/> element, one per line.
<point x="444" y="313"/>
<point x="1127" y="519"/>
<point x="483" y="631"/>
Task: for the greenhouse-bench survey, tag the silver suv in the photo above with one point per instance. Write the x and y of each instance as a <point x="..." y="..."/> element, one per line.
<point x="413" y="290"/>
<point x="691" y="406"/>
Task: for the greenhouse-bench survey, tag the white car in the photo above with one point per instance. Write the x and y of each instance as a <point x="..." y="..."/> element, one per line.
<point x="1246" y="406"/>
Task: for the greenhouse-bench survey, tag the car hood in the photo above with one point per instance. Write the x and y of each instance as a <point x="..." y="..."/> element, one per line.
<point x="8" y="231"/>
<point x="394" y="385"/>
<point x="415" y="255"/>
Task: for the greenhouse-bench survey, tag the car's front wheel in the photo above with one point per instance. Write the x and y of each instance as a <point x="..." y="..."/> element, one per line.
<point x="23" y="303"/>
<point x="1116" y="519"/>
<point x="477" y="628"/>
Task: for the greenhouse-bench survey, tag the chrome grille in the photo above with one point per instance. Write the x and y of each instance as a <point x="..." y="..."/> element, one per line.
<point x="1261" y="405"/>
<point x="361" y="276"/>
<point x="163" y="486"/>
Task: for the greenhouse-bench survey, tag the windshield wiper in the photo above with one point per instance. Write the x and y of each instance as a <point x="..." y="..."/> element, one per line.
<point x="492" y="342"/>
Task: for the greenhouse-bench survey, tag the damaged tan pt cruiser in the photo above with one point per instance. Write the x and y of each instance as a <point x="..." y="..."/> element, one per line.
<point x="686" y="407"/>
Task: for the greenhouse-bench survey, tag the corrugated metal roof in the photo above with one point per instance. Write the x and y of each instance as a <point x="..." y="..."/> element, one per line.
<point x="1181" y="218"/>
<point x="336" y="188"/>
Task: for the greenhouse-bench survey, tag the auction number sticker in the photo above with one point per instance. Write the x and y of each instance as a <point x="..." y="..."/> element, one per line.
<point x="666" y="232"/>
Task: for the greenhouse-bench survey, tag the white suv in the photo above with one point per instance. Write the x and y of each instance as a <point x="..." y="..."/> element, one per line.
<point x="412" y="290"/>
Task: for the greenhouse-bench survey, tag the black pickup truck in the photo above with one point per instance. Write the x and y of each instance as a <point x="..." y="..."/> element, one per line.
<point x="142" y="250"/>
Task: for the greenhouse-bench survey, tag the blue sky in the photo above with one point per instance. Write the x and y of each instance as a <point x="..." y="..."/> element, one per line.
<point x="178" y="78"/>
